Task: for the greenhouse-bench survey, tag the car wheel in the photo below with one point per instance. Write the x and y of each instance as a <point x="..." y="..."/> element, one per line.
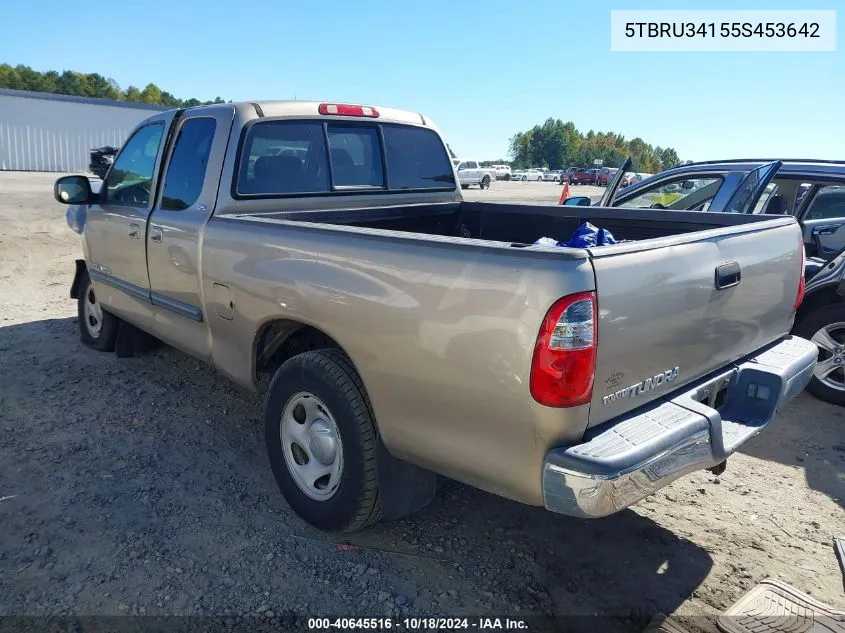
<point x="485" y="182"/>
<point x="464" y="186"/>
<point x="321" y="439"/>
<point x="507" y="176"/>
<point x="97" y="328"/>
<point x="826" y="328"/>
<point x="524" y="178"/>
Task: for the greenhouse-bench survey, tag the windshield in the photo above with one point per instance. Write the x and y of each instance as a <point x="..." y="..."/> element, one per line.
<point x="677" y="194"/>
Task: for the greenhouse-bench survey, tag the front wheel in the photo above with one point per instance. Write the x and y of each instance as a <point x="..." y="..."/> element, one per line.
<point x="524" y="178"/>
<point x="97" y="328"/>
<point x="826" y="328"/>
<point x="321" y="440"/>
<point x="485" y="182"/>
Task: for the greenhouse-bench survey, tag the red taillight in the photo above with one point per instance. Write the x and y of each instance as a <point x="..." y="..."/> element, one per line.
<point x="342" y="109"/>
<point x="564" y="362"/>
<point x="801" y="281"/>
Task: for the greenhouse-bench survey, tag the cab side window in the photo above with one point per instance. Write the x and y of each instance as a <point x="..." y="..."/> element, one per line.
<point x="188" y="161"/>
<point x="131" y="177"/>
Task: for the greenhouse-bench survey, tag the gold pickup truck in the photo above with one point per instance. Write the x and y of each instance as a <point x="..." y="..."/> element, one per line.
<point x="410" y="333"/>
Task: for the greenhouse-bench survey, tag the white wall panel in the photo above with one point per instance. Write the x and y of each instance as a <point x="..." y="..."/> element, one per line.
<point x="55" y="135"/>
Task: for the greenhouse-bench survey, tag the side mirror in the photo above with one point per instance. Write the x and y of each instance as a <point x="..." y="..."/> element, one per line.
<point x="73" y="190"/>
<point x="577" y="201"/>
<point x="688" y="184"/>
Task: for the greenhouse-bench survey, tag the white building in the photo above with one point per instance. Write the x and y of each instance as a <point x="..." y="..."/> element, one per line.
<point x="52" y="132"/>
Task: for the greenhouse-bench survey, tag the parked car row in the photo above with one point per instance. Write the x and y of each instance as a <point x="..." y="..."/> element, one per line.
<point x="471" y="173"/>
<point x="527" y="174"/>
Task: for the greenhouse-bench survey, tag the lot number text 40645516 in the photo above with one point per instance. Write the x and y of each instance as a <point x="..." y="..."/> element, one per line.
<point x="418" y="624"/>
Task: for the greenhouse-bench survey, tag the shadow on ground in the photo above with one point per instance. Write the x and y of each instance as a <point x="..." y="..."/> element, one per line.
<point x="136" y="479"/>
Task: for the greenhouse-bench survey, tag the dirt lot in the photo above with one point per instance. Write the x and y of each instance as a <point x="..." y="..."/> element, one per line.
<point x="141" y="486"/>
<point x="529" y="192"/>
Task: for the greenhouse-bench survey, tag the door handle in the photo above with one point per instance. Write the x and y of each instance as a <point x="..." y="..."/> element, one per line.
<point x="156" y="234"/>
<point x="134" y="231"/>
<point x="825" y="230"/>
<point x="728" y="275"/>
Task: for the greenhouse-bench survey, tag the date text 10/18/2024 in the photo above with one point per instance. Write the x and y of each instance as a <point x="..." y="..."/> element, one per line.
<point x="418" y="624"/>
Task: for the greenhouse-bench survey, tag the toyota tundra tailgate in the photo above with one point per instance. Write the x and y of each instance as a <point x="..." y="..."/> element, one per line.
<point x="674" y="310"/>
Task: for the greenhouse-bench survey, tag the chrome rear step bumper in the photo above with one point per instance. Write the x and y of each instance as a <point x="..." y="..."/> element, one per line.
<point x="629" y="458"/>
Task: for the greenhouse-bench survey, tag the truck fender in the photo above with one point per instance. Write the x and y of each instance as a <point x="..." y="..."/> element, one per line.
<point x="403" y="487"/>
<point x="81" y="269"/>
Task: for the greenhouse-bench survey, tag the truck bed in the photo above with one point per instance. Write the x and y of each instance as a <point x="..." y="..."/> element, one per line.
<point x="439" y="306"/>
<point x="520" y="225"/>
<point x="659" y="309"/>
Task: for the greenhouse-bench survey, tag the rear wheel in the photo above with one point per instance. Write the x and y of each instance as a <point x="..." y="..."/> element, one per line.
<point x="97" y="328"/>
<point x="321" y="440"/>
<point x="524" y="178"/>
<point x="485" y="182"/>
<point x="826" y="328"/>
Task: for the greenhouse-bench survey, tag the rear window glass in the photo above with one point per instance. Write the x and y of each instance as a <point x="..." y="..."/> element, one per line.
<point x="416" y="159"/>
<point x="356" y="156"/>
<point x="291" y="157"/>
<point x="284" y="157"/>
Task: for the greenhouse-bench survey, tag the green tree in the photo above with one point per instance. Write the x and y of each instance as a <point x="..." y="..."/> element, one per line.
<point x="151" y="94"/>
<point x="9" y="78"/>
<point x="558" y="145"/>
<point x="79" y="84"/>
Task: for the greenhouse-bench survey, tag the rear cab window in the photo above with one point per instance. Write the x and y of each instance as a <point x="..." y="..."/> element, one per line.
<point x="311" y="157"/>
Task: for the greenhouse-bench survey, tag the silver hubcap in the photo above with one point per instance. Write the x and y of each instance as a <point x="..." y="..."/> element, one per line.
<point x="311" y="446"/>
<point x="830" y="368"/>
<point x="93" y="313"/>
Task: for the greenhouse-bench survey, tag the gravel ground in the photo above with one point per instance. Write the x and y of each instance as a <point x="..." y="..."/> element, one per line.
<point x="141" y="486"/>
<point x="529" y="192"/>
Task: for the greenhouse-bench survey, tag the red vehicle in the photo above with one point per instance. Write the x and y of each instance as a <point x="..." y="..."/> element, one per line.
<point x="580" y="176"/>
<point x="605" y="174"/>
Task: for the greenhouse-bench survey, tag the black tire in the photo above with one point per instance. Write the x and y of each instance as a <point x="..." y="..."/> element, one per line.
<point x="103" y="339"/>
<point x="330" y="376"/>
<point x="485" y="182"/>
<point x="464" y="186"/>
<point x="807" y="328"/>
<point x="507" y="176"/>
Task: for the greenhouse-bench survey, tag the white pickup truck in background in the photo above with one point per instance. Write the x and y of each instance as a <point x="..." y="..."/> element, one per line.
<point x="471" y="173"/>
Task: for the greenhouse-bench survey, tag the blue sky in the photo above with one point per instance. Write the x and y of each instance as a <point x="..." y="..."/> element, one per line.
<point x="482" y="69"/>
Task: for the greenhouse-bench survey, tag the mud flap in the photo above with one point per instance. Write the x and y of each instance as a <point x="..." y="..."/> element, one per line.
<point x="81" y="270"/>
<point x="403" y="487"/>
